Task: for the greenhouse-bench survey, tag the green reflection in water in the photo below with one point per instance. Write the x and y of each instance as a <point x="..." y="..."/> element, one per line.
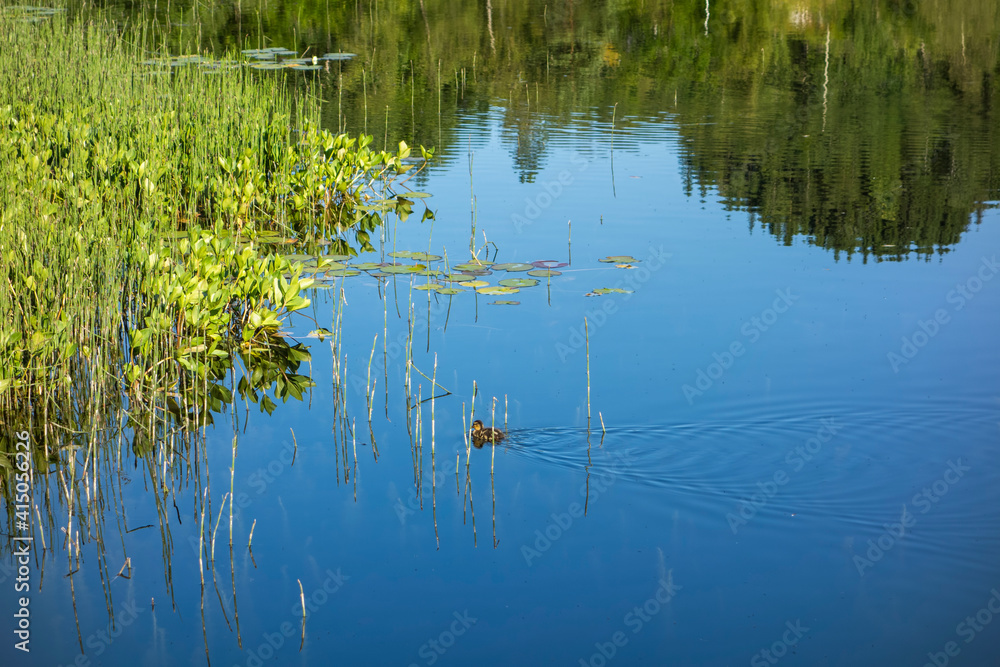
<point x="864" y="127"/>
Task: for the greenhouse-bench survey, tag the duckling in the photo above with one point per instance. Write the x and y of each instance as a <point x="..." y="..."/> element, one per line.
<point x="482" y="435"/>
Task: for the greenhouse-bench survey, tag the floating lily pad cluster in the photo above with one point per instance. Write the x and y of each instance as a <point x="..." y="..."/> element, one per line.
<point x="272" y="58"/>
<point x="471" y="276"/>
<point x="447" y="280"/>
<point x="458" y="278"/>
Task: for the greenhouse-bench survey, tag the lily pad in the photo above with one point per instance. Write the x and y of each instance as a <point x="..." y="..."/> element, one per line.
<point x="618" y="259"/>
<point x="450" y="290"/>
<point x="319" y="333"/>
<point x="492" y="291"/>
<point x="189" y="60"/>
<point x="368" y="266"/>
<point x="429" y="286"/>
<point x="342" y="273"/>
<point x="322" y="269"/>
<point x="217" y="68"/>
<point x="457" y="277"/>
<point x="513" y="267"/>
<point x="548" y="264"/>
<point x="417" y="195"/>
<point x="518" y="282"/>
<point x="600" y="291"/>
<point x="473" y="266"/>
<point x="505" y="303"/>
<point x="333" y="257"/>
<point x="544" y="273"/>
<point x="419" y="256"/>
<point x="337" y="56"/>
<point x="403" y="268"/>
<point x="475" y="284"/>
<point x="332" y="265"/>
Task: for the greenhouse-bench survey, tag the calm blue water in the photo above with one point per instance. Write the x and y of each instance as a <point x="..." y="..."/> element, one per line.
<point x="798" y="462"/>
<point x="722" y="521"/>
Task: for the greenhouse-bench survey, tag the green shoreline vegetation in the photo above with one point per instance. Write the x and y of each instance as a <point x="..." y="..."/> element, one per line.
<point x="146" y="213"/>
<point x="141" y="205"/>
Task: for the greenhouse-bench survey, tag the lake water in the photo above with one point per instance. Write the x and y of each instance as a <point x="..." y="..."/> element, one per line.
<point x="792" y="448"/>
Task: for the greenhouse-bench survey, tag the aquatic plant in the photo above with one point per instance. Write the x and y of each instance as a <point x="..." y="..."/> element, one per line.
<point x="145" y="220"/>
<point x="103" y="161"/>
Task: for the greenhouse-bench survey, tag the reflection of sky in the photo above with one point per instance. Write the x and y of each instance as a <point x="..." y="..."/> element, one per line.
<point x="691" y="461"/>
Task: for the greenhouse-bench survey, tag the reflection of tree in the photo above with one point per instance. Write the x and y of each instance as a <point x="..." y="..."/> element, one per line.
<point x="528" y="140"/>
<point x="898" y="112"/>
<point x="882" y="150"/>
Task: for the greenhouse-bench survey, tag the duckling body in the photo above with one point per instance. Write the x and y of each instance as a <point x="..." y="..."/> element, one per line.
<point x="482" y="435"/>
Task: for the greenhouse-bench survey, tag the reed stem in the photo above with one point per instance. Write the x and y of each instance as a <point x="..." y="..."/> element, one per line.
<point x="586" y="330"/>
